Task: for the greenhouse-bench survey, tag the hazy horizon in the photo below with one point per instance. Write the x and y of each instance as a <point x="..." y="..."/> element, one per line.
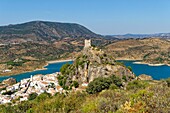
<point x="113" y="17"/>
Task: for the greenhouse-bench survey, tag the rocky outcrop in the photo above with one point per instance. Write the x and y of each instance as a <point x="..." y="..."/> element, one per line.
<point x="93" y="63"/>
<point x="144" y="77"/>
<point x="9" y="81"/>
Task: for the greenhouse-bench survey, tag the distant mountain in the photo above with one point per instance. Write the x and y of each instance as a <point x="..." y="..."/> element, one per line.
<point x="43" y="31"/>
<point x="135" y="36"/>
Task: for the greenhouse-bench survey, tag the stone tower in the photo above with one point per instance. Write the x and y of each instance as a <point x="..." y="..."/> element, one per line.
<point x="87" y="43"/>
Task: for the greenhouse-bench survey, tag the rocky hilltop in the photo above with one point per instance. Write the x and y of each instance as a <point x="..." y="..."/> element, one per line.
<point x="93" y="63"/>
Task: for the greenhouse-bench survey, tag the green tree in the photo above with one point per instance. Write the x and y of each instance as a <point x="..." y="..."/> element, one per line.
<point x="116" y="80"/>
<point x="63" y="69"/>
<point x="98" y="84"/>
<point x="130" y="68"/>
<point x="75" y="84"/>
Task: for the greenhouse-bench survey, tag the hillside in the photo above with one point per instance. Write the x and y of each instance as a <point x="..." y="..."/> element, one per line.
<point x="43" y="31"/>
<point x="152" y="50"/>
<point x="29" y="56"/>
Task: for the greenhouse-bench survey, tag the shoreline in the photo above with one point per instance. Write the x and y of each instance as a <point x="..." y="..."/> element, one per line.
<point x="59" y="61"/>
<point x="149" y="64"/>
<point x="39" y="69"/>
<point x="139" y="61"/>
<point x="126" y="59"/>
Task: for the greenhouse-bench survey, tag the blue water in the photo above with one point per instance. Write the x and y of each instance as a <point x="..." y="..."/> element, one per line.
<point x="157" y="72"/>
<point x="51" y="68"/>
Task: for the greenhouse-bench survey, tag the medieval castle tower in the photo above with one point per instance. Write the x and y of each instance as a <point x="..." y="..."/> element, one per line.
<point x="87" y="43"/>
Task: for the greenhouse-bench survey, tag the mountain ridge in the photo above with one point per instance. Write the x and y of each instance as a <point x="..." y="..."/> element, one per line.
<point x="44" y="31"/>
<point x="135" y="36"/>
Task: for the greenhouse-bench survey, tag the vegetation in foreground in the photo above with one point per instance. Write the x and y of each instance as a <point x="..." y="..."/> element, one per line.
<point x="140" y="97"/>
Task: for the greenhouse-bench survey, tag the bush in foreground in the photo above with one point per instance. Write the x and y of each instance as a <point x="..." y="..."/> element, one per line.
<point x="32" y="96"/>
<point x="136" y="84"/>
<point x="101" y="83"/>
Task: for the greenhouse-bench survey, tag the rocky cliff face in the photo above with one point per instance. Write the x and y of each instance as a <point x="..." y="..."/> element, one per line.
<point x="93" y="63"/>
<point x="144" y="77"/>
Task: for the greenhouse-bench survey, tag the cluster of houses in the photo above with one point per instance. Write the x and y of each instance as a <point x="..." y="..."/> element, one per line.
<point x="35" y="84"/>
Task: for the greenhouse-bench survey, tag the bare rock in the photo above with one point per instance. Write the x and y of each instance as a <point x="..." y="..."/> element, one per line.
<point x="9" y="81"/>
<point x="144" y="77"/>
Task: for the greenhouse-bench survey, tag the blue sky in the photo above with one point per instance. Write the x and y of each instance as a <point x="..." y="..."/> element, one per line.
<point x="100" y="16"/>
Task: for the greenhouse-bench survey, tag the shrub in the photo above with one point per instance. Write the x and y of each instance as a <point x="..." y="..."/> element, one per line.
<point x="116" y="80"/>
<point x="120" y="63"/>
<point x="98" y="84"/>
<point x="75" y="84"/>
<point x="88" y="107"/>
<point x="62" y="81"/>
<point x="32" y="96"/>
<point x="14" y="63"/>
<point x="124" y="78"/>
<point x="113" y="87"/>
<point x="137" y="84"/>
<point x="130" y="68"/>
<point x="159" y="59"/>
<point x="73" y="101"/>
<point x="168" y="82"/>
<point x="63" y="69"/>
<point x="101" y="83"/>
<point x="42" y="97"/>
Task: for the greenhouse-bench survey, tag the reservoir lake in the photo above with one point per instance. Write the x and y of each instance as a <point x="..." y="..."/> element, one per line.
<point x="50" y="68"/>
<point x="157" y="72"/>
